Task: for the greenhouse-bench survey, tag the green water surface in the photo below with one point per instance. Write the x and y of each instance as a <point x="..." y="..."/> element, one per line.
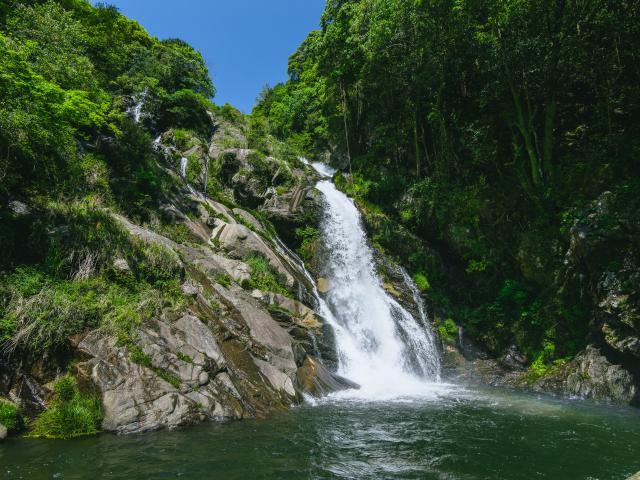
<point x="461" y="434"/>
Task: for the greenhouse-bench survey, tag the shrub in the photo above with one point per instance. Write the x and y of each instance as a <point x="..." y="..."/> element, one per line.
<point x="186" y="109"/>
<point x="421" y="282"/>
<point x="223" y="279"/>
<point x="309" y="238"/>
<point x="448" y="330"/>
<point x="70" y="414"/>
<point x="10" y="416"/>
<point x="39" y="312"/>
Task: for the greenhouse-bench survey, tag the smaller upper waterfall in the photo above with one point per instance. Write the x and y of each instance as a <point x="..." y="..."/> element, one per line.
<point x="380" y="344"/>
<point x="184" y="162"/>
<point x="136" y="110"/>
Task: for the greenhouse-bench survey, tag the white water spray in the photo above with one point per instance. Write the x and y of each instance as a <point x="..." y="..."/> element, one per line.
<point x="380" y="345"/>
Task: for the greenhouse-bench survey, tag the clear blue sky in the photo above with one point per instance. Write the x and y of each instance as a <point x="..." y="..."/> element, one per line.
<point x="246" y="43"/>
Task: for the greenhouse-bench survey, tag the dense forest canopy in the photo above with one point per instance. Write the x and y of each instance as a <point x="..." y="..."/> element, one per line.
<point x="491" y="130"/>
<point x="69" y="72"/>
<point x="72" y="149"/>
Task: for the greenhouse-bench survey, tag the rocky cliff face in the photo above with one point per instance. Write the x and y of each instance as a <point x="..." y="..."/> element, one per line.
<point x="246" y="342"/>
<point x="601" y="272"/>
<point x="603" y="262"/>
<point x="234" y="352"/>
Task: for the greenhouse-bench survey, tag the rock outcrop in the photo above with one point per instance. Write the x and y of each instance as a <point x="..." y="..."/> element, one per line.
<point x="315" y="379"/>
<point x="228" y="354"/>
<point x="180" y="372"/>
<point x="239" y="241"/>
<point x="591" y="375"/>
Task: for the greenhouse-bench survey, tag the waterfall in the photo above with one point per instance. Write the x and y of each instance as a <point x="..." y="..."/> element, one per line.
<point x="184" y="162"/>
<point x="380" y="345"/>
<point x="136" y="110"/>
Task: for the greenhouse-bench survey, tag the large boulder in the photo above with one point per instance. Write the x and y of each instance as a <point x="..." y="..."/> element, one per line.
<point x="157" y="384"/>
<point x="591" y="375"/>
<point x="298" y="207"/>
<point x="213" y="264"/>
<point x="179" y="372"/>
<point x="238" y="241"/>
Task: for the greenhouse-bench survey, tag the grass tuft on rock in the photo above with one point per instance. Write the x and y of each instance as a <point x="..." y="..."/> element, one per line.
<point x="70" y="413"/>
<point x="263" y="276"/>
<point x="10" y="416"/>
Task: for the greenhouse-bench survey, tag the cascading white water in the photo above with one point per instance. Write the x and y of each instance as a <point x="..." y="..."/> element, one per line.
<point x="380" y="345"/>
<point x="136" y="110"/>
<point x="184" y="162"/>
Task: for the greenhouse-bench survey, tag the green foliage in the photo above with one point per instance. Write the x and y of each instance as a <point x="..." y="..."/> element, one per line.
<point x="308" y="238"/>
<point x="10" y="416"/>
<point x="229" y="113"/>
<point x="43" y="321"/>
<point x="421" y="282"/>
<point x="68" y="73"/>
<point x="70" y="414"/>
<point x="223" y="279"/>
<point x="184" y="357"/>
<point x="263" y="276"/>
<point x="71" y="285"/>
<point x="544" y="363"/>
<point x="482" y="128"/>
<point x="178" y="232"/>
<point x="186" y="109"/>
<point x="448" y="330"/>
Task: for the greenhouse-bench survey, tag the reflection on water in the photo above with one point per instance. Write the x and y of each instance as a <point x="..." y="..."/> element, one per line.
<point x="459" y="434"/>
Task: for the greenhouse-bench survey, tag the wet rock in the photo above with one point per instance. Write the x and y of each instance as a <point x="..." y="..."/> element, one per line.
<point x="263" y="328"/>
<point x="302" y="315"/>
<point x="3" y="432"/>
<point x="296" y="208"/>
<point x="28" y="394"/>
<point x="224" y="356"/>
<point x="316" y="380"/>
<point x="135" y="399"/>
<point x="180" y="372"/>
<point x="323" y="285"/>
<point x="602" y="269"/>
<point x="513" y="359"/>
<point x="278" y="379"/>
